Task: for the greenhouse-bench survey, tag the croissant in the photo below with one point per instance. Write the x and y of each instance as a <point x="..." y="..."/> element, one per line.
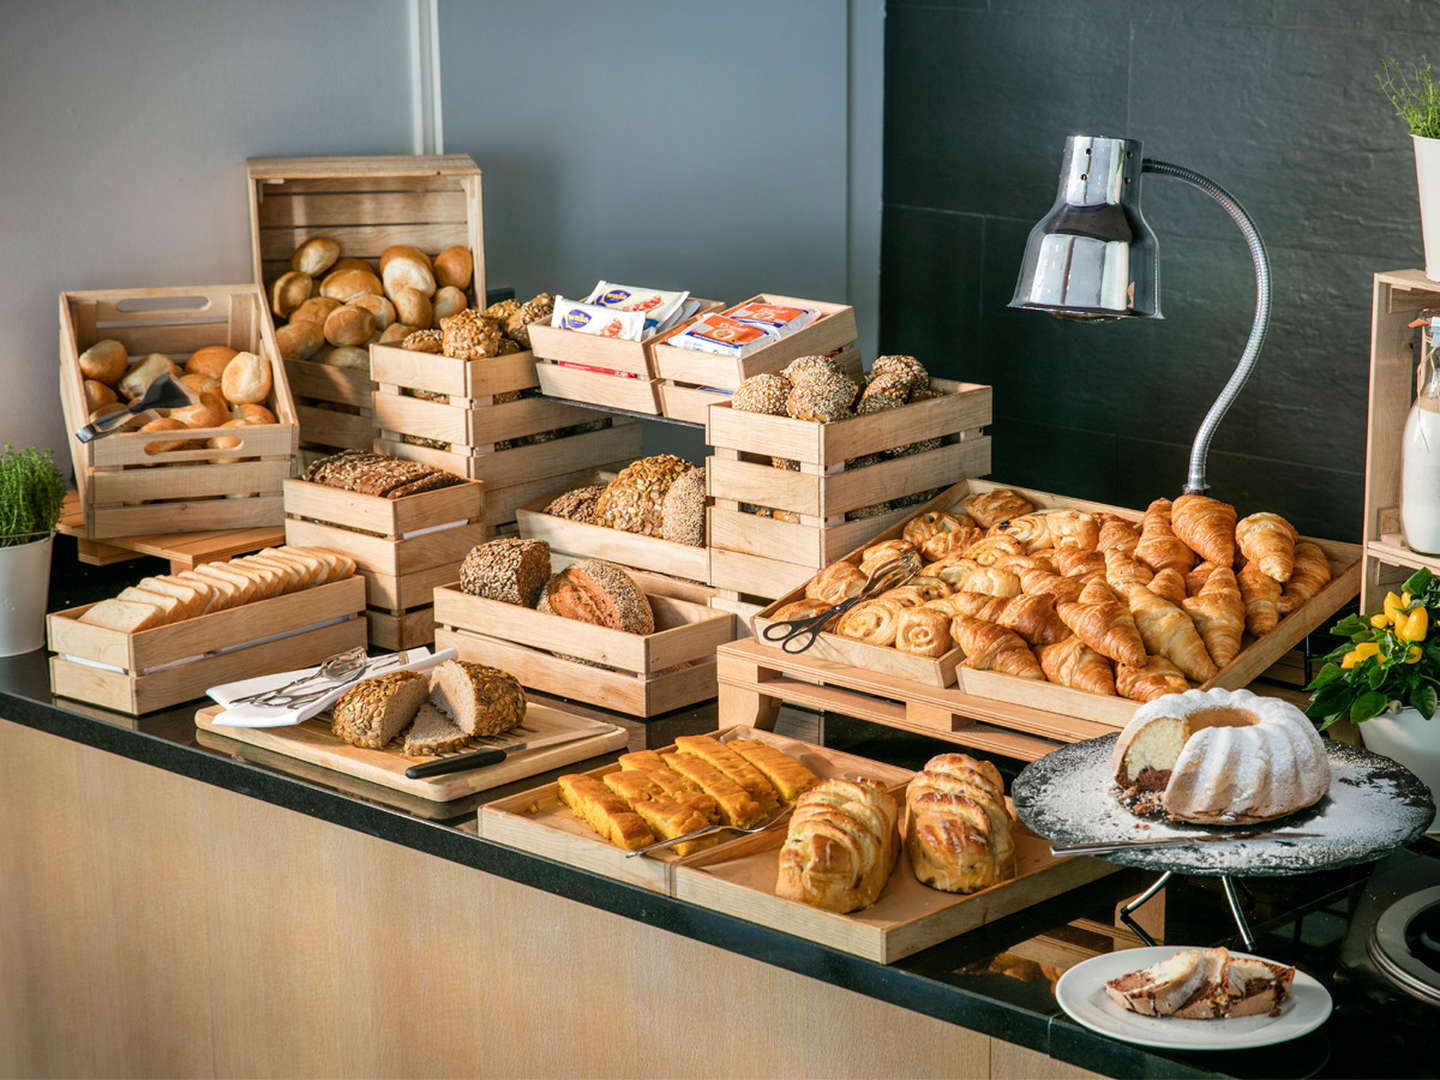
<point x="989" y="647"/>
<point x="1072" y="562"/>
<point x="1219" y="614"/>
<point x="1073" y="663"/>
<point x="1045" y="559"/>
<point x="838" y="581"/>
<point x="930" y="588"/>
<point x="961" y="573"/>
<point x="1195" y="579"/>
<point x="1169" y="632"/>
<point x="1121" y="570"/>
<point x="1100" y="620"/>
<point x="941" y="543"/>
<point x="1150" y="680"/>
<point x="1031" y="531"/>
<point x="1207" y="526"/>
<point x="877" y="555"/>
<point x="1073" y="528"/>
<point x="992" y="507"/>
<point x="1032" y="617"/>
<point x="1261" y="595"/>
<point x="1169" y="584"/>
<point x="1117" y="535"/>
<point x="1159" y="547"/>
<point x="923" y="632"/>
<point x="1039" y="582"/>
<point x="1312" y="572"/>
<point x="873" y="622"/>
<point x="1268" y="540"/>
<point x="986" y="551"/>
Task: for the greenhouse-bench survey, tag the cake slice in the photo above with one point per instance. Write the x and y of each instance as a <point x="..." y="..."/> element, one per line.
<point x="790" y="778"/>
<point x="736" y="806"/>
<point x="652" y="766"/>
<point x="639" y="785"/>
<point x="1161" y="989"/>
<point x="734" y="766"/>
<point x="604" y="811"/>
<point x="1210" y="998"/>
<point x="1256" y="986"/>
<point x="670" y="818"/>
<point x="433" y="733"/>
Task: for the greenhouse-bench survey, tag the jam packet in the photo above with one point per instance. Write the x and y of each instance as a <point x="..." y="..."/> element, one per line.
<point x="659" y="306"/>
<point x="595" y="319"/>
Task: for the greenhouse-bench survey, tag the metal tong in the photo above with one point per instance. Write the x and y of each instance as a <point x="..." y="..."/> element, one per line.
<point x="797" y="635"/>
<point x="334" y="671"/>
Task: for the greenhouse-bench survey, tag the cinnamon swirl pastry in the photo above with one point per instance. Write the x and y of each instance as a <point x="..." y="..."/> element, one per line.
<point x="923" y="527"/>
<point x="1031" y="531"/>
<point x="874" y="622"/>
<point x="877" y="555"/>
<point x="838" y="581"/>
<point x="923" y="631"/>
<point x="986" y="551"/>
<point x="950" y="543"/>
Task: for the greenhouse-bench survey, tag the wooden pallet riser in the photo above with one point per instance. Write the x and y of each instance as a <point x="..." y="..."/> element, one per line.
<point x="401" y="630"/>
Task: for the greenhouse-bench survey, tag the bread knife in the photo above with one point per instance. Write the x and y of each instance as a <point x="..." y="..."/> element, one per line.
<point x="478" y="759"/>
<point x="1109" y="846"/>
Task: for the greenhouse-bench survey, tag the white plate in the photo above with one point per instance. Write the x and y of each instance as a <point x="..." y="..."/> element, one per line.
<point x="1081" y="993"/>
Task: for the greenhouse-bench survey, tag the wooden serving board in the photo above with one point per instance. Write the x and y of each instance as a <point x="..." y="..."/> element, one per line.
<point x="312" y="742"/>
<point x="184" y="551"/>
<point x="538" y="822"/>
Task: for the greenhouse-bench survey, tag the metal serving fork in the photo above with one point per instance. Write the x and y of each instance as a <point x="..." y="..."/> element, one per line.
<point x="708" y="829"/>
<point x="797" y="635"/>
<point x="335" y="671"/>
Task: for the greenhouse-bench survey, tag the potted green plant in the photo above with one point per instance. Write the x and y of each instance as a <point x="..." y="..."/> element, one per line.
<point x="1416" y="97"/>
<point x="1386" y="677"/>
<point x="31" y="491"/>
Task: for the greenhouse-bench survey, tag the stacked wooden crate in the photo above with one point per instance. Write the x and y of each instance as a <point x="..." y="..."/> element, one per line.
<point x="366" y="204"/>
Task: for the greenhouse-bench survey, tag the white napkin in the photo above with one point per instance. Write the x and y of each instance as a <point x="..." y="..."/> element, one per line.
<point x="256" y="716"/>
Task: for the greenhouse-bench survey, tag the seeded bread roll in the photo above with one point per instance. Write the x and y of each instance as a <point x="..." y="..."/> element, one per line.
<point x="481" y="700"/>
<point x="538" y="308"/>
<point x="377" y="710"/>
<point x="822" y="395"/>
<point x="509" y="570"/>
<point x="888" y="390"/>
<point x="426" y="341"/>
<point x="468" y="335"/>
<point x="632" y="502"/>
<point x="763" y="393"/>
<point x="599" y="593"/>
<point x="802" y="367"/>
<point x="682" y="512"/>
<point x="906" y="366"/>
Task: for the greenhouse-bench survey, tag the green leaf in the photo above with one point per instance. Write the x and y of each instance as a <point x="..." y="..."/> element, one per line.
<point x="1325" y="724"/>
<point x="1423" y="700"/>
<point x="1327" y="675"/>
<point x="1417" y="582"/>
<point x="1350" y="624"/>
<point x="1371" y="703"/>
<point x="1331" y="699"/>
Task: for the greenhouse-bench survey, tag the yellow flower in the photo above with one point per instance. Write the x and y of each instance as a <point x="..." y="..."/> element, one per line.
<point x="1349" y="660"/>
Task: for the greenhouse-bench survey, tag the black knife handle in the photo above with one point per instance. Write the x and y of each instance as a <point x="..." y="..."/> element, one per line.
<point x="456" y="763"/>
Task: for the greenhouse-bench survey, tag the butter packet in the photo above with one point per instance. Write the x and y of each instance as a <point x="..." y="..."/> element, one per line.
<point x="659" y="306"/>
<point x="715" y="333"/>
<point x="600" y="321"/>
<point x="778" y="319"/>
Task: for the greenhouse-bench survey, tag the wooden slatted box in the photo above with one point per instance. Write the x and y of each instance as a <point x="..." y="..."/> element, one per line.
<point x="837" y="476"/>
<point x="125" y="490"/>
<point x="459" y="410"/>
<point x="366" y="204"/>
<point x="403" y="547"/>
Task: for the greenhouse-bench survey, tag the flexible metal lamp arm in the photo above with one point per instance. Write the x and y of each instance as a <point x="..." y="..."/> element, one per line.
<point x="1195" y="481"/>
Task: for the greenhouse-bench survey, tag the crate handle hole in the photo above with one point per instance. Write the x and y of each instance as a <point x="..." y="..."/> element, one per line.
<point x="165" y="303"/>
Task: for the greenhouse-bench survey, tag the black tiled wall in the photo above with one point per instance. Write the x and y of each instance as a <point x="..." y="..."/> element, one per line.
<point x="1277" y="101"/>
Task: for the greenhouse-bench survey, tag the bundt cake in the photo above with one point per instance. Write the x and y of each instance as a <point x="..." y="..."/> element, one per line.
<point x="1220" y="757"/>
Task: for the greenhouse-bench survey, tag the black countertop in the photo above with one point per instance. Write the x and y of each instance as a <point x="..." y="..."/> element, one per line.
<point x="996" y="979"/>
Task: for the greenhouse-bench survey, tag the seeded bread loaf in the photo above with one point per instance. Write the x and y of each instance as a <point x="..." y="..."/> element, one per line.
<point x="601" y="594"/>
<point x="682" y="511"/>
<point x="481" y="700"/>
<point x="577" y="505"/>
<point x="633" y="500"/>
<point x="369" y="473"/>
<point x="510" y="570"/>
<point x="375" y="711"/>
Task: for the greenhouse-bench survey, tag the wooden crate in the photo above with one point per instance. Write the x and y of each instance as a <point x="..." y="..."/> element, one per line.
<point x="1399" y="297"/>
<point x="766" y="557"/>
<point x="614" y="545"/>
<point x="367" y="204"/>
<point x="403" y="548"/>
<point x="939" y="696"/>
<point x="642" y="674"/>
<point x="691" y="402"/>
<point x="154" y="669"/>
<point x="603" y="371"/>
<point x="183" y="551"/>
<point x="124" y="489"/>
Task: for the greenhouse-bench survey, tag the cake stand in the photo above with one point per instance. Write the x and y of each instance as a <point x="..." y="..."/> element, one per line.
<point x="1374" y="806"/>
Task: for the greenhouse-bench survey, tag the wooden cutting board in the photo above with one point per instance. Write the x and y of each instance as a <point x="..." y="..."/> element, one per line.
<point x="312" y="742"/>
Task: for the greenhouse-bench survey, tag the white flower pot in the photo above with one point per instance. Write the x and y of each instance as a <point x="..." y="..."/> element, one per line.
<point x="1411" y="740"/>
<point x="24" y="586"/>
<point x="1427" y="177"/>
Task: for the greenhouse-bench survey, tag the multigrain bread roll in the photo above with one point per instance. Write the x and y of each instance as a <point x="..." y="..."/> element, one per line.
<point x="247" y="380"/>
<point x="481" y="700"/>
<point x="841" y="846"/>
<point x="598" y="593"/>
<point x="289" y="291"/>
<point x="509" y="570"/>
<point x="453" y="267"/>
<point x="105" y="361"/>
<point x="377" y="710"/>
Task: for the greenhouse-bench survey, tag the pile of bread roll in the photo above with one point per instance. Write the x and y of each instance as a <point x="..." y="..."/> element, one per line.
<point x="1093" y="601"/>
<point x="335" y="307"/>
<point x="232" y="389"/>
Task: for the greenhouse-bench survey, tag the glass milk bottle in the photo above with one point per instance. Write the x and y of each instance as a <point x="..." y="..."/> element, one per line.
<point x="1420" y="449"/>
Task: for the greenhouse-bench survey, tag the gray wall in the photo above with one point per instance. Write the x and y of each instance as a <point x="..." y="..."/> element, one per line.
<point x="1276" y="100"/>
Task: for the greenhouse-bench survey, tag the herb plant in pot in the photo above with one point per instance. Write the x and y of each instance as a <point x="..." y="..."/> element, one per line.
<point x="1416" y="97"/>
<point x="1386" y="676"/>
<point x="31" y="491"/>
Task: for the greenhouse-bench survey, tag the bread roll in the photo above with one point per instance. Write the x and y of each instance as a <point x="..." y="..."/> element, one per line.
<point x="350" y="263"/>
<point x="349" y="325"/>
<point x="395" y="333"/>
<point x="105" y="361"/>
<point x="165" y="423"/>
<point x="209" y="412"/>
<point x="201" y="384"/>
<point x="413" y="306"/>
<point x="246" y="380"/>
<point x="348" y="356"/>
<point x="315" y="256"/>
<point x="403" y="267"/>
<point x="97" y="394"/>
<point x="258" y="414"/>
<point x="210" y="360"/>
<point x="382" y="309"/>
<point x="138" y="379"/>
<point x="317" y="309"/>
<point x="454" y="267"/>
<point x="447" y="301"/>
<point x="342" y="285"/>
<point x="289" y="291"/>
<point x="299" y="340"/>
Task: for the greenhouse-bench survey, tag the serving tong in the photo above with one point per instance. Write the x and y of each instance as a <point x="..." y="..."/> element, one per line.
<point x="164" y="392"/>
<point x="796" y="635"/>
<point x="334" y="671"/>
<point x="769" y="823"/>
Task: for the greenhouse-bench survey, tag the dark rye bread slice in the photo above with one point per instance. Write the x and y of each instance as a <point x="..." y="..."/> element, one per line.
<point x="481" y="700"/>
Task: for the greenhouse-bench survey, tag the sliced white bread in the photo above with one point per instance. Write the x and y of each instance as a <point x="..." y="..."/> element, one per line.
<point x="248" y="587"/>
<point x="224" y="592"/>
<point x="125" y="615"/>
<point x="171" y="607"/>
<point x="193" y="595"/>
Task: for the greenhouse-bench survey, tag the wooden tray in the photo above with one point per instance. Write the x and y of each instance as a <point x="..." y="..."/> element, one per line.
<point x="312" y="742"/>
<point x="691" y="403"/>
<point x="184" y="551"/>
<point x="536" y="821"/>
<point x="615" y="545"/>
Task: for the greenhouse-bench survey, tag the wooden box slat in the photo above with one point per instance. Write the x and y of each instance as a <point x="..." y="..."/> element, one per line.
<point x="470" y="379"/>
<point x="390" y="518"/>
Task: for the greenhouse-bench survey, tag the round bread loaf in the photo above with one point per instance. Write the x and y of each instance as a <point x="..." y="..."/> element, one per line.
<point x="633" y="501"/>
<point x="454" y="268"/>
<point x="599" y="593"/>
<point x="105" y="361"/>
<point x="682" y="512"/>
<point x="342" y="285"/>
<point x="509" y="570"/>
<point x="482" y="700"/>
<point x="402" y="267"/>
<point x="349" y="325"/>
<point x="821" y="396"/>
<point x="258" y="414"/>
<point x="803" y="366"/>
<point x="317" y="309"/>
<point x="378" y="306"/>
<point x="315" y="256"/>
<point x="350" y="357"/>
<point x="888" y="390"/>
<point x="395" y="333"/>
<point x="413" y="306"/>
<point x="299" y="340"/>
<point x="763" y="393"/>
<point x="210" y="360"/>
<point x="165" y="423"/>
<point x="97" y="394"/>
<point x="201" y="384"/>
<point x="289" y="291"/>
<point x="447" y="301"/>
<point x="906" y="366"/>
<point x="138" y="379"/>
<point x="246" y="380"/>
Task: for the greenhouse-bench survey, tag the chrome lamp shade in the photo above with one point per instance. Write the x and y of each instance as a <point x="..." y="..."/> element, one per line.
<point x="1093" y="257"/>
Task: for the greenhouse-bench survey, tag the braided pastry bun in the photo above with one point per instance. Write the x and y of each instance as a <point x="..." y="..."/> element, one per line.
<point x="841" y="846"/>
<point x="958" y="828"/>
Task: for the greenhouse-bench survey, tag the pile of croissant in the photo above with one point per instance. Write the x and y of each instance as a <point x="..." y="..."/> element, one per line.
<point x="1092" y="601"/>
